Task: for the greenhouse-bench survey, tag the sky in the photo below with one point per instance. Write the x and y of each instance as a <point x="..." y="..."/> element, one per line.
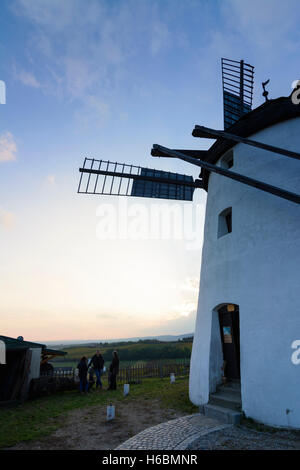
<point x="108" y="79"/>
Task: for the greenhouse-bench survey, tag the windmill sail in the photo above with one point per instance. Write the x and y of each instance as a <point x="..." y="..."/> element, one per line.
<point x="121" y="179"/>
<point x="237" y="80"/>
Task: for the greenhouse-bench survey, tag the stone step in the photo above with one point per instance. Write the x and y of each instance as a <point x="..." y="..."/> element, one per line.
<point x="225" y="415"/>
<point x="231" y="390"/>
<point x="233" y="384"/>
<point x="226" y="400"/>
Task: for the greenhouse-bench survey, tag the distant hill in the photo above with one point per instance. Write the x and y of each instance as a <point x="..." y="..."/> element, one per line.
<point x="137" y="352"/>
<point x="69" y="343"/>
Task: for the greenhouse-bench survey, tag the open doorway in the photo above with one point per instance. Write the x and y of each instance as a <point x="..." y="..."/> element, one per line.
<point x="230" y="337"/>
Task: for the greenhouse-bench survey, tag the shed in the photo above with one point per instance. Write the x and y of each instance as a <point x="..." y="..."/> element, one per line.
<point x="24" y="361"/>
<point x="22" y="364"/>
<point x="47" y="355"/>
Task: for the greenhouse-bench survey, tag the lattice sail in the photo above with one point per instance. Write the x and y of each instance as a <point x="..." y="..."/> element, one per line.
<point x="121" y="179"/>
<point x="238" y="82"/>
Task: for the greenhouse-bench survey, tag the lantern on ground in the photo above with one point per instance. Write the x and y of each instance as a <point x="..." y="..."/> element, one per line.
<point x="110" y="412"/>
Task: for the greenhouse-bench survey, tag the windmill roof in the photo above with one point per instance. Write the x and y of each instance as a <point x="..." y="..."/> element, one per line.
<point x="269" y="113"/>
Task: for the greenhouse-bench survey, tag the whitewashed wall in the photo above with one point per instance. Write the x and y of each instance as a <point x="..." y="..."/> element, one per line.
<point x="35" y="364"/>
<point x="257" y="267"/>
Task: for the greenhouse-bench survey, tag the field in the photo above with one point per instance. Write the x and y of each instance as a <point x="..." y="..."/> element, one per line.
<point x="39" y="423"/>
<point x="130" y="353"/>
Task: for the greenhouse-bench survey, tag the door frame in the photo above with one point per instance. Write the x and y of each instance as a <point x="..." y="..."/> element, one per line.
<point x="229" y="324"/>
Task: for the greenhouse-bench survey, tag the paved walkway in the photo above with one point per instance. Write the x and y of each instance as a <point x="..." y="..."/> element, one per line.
<point x="177" y="434"/>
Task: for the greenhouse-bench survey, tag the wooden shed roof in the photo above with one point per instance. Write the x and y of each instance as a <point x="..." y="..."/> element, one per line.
<point x="57" y="352"/>
<point x="13" y="344"/>
<point x="17" y="344"/>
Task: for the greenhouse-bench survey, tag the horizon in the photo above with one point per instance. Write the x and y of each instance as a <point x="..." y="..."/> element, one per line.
<point x="108" y="80"/>
<point x="103" y="340"/>
<point x="110" y="340"/>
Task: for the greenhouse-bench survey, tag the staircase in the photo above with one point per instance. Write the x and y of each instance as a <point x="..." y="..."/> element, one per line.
<point x="225" y="404"/>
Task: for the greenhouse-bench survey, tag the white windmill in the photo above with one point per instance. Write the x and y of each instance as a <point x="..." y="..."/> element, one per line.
<point x="249" y="310"/>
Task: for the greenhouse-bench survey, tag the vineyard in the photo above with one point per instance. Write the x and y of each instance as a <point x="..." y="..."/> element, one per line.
<point x="138" y="360"/>
<point x="131" y="354"/>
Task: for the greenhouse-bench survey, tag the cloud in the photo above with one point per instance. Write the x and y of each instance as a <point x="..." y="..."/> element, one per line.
<point x="264" y="24"/>
<point x="186" y="308"/>
<point x="54" y="13"/>
<point x="51" y="179"/>
<point x="93" y="110"/>
<point x="27" y="79"/>
<point x="160" y="39"/>
<point x="189" y="295"/>
<point x="7" y="219"/>
<point x="8" y="147"/>
<point x="191" y="284"/>
<point x="276" y="15"/>
<point x="178" y="324"/>
<point x="90" y="48"/>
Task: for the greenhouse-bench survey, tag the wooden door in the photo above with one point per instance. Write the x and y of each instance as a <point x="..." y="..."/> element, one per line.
<point x="230" y="336"/>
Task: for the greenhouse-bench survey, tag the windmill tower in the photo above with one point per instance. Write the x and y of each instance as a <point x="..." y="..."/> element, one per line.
<point x="248" y="316"/>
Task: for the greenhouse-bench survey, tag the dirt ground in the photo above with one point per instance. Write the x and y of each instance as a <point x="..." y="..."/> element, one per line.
<point x="87" y="428"/>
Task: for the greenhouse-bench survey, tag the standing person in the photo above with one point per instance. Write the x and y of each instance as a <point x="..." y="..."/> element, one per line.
<point x="91" y="378"/>
<point x="113" y="371"/>
<point x="83" y="369"/>
<point x="97" y="362"/>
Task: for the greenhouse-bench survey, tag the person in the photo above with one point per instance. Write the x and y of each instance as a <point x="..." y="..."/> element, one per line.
<point x="82" y="372"/>
<point x="113" y="371"/>
<point x="91" y="379"/>
<point x="46" y="369"/>
<point x="97" y="362"/>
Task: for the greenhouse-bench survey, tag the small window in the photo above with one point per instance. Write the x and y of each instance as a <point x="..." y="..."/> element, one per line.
<point x="225" y="222"/>
<point x="227" y="160"/>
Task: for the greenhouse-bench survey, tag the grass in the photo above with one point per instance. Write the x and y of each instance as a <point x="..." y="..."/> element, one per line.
<point x="40" y="417"/>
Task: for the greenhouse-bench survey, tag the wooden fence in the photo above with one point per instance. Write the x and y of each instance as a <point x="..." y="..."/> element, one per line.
<point x="137" y="372"/>
<point x="65" y="378"/>
<point x="64" y="372"/>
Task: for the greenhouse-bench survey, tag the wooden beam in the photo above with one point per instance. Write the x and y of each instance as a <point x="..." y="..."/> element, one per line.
<point x="155" y="179"/>
<point x="232" y="175"/>
<point x="49" y="358"/>
<point x="202" y="154"/>
<point x="206" y="132"/>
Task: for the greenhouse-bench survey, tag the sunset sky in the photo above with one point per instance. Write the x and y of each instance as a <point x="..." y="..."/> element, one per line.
<point x="107" y="79"/>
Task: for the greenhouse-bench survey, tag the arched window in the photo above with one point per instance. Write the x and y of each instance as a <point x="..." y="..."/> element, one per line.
<point x="225" y="222"/>
<point x="227" y="160"/>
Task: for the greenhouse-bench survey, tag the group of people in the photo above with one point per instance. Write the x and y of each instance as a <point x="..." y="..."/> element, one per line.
<point x="96" y="366"/>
